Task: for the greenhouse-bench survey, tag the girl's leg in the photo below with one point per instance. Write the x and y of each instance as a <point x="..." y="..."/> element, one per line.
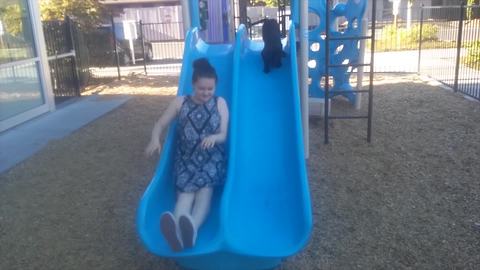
<point x="201" y="206"/>
<point x="169" y="221"/>
<point x="189" y="224"/>
<point x="184" y="203"/>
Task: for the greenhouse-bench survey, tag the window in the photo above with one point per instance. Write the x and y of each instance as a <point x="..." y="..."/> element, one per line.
<point x="20" y="84"/>
<point x="16" y="37"/>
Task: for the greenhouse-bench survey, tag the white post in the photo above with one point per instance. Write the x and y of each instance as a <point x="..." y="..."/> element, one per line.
<point x="409" y="13"/>
<point x="132" y="50"/>
<point x="186" y="15"/>
<point x="303" y="70"/>
<point x="130" y="33"/>
<point x="361" y="59"/>
<point x="41" y="48"/>
<point x="1" y="34"/>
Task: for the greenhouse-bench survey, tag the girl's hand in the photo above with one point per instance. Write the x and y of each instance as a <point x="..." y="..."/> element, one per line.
<point x="153" y="146"/>
<point x="209" y="142"/>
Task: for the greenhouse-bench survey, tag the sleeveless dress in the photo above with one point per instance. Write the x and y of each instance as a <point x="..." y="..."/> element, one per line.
<point x="195" y="167"/>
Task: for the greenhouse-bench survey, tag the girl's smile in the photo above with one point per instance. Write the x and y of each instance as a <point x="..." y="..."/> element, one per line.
<point x="204" y="89"/>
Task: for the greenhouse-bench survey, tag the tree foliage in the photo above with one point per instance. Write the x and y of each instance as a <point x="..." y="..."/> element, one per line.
<point x="11" y="17"/>
<point x="87" y="12"/>
<point x="473" y="55"/>
<point x="267" y="3"/>
<point x="469" y="9"/>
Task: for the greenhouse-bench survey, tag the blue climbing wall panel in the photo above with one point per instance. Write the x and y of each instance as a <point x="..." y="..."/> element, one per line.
<point x="348" y="14"/>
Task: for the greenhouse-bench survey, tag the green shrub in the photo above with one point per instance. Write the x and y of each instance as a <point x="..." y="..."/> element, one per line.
<point x="412" y="35"/>
<point x="394" y="39"/>
<point x="473" y="55"/>
<point x="429" y="32"/>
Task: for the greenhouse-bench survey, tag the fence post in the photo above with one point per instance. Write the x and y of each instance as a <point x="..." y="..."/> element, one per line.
<point x="282" y="16"/>
<point x="327" y="65"/>
<point x="57" y="91"/>
<point x="115" y="46"/>
<point x="420" y="39"/>
<point x="76" y="76"/>
<point x="459" y="46"/>
<point x="361" y="59"/>
<point x="143" y="48"/>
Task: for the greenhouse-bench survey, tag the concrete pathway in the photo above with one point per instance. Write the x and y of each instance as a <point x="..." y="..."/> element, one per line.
<point x="19" y="143"/>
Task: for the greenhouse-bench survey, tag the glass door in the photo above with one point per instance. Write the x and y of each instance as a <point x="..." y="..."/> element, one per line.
<point x="21" y="88"/>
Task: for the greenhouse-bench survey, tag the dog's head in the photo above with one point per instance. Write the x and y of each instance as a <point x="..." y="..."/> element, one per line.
<point x="270" y="30"/>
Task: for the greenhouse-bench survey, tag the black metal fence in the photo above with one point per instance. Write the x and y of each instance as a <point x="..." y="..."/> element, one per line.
<point x="122" y="49"/>
<point x="61" y="59"/>
<point x="68" y="69"/>
<point x="453" y="57"/>
<point x="442" y="42"/>
<point x="396" y="41"/>
<point x="164" y="42"/>
<point x="82" y="58"/>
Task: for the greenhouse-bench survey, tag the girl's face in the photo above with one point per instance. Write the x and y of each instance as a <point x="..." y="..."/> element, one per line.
<point x="204" y="89"/>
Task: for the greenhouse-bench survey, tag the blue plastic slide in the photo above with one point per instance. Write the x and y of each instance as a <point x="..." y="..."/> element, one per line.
<point x="263" y="213"/>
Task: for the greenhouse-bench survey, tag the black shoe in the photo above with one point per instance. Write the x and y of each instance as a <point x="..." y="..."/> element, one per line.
<point x="189" y="233"/>
<point x="168" y="227"/>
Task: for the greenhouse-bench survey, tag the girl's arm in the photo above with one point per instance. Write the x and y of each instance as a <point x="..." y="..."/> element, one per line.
<point x="162" y="124"/>
<point x="221" y="136"/>
<point x="224" y="115"/>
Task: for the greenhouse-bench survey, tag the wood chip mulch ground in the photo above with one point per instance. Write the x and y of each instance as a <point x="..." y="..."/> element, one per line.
<point x="408" y="200"/>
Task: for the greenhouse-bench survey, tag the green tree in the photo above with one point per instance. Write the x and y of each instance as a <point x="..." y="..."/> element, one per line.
<point x="11" y="17"/>
<point x="469" y="9"/>
<point x="88" y="13"/>
<point x="267" y="3"/>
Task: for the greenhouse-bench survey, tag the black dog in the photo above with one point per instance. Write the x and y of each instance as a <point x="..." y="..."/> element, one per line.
<point x="272" y="52"/>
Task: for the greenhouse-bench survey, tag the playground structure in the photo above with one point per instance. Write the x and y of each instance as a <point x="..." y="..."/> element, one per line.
<point x="341" y="51"/>
<point x="263" y="213"/>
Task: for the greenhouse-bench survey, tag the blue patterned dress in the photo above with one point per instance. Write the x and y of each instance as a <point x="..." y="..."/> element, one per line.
<point x="195" y="167"/>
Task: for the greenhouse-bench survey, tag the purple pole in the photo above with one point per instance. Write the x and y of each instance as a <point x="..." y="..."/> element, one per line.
<point x="215" y="21"/>
<point x="225" y="18"/>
